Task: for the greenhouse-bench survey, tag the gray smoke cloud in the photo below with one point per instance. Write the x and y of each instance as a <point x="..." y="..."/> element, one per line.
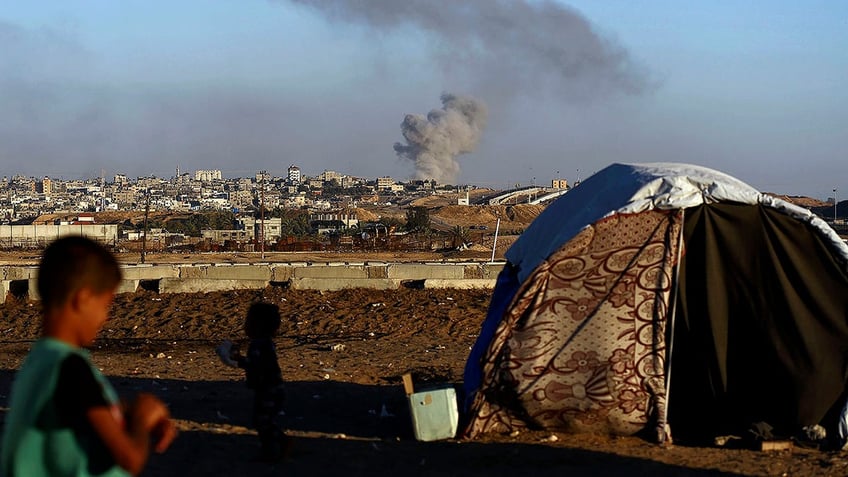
<point x="501" y="51"/>
<point x="504" y="48"/>
<point x="434" y="142"/>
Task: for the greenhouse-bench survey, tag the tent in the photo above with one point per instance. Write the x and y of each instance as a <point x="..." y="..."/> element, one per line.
<point x="659" y="297"/>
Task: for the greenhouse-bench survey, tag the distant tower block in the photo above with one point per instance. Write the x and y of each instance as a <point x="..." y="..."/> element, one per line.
<point x="294" y="174"/>
<point x="207" y="175"/>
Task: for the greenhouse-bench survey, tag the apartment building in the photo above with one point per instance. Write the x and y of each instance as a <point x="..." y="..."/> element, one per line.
<point x="207" y="175"/>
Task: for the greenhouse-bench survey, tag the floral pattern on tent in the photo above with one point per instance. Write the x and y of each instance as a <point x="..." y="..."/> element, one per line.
<point x="582" y="346"/>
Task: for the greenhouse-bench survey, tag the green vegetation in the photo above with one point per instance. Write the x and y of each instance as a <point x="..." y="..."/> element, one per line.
<point x="417" y="219"/>
<point x="294" y="222"/>
<point x="193" y="224"/>
<point x="392" y="223"/>
<point x="459" y="235"/>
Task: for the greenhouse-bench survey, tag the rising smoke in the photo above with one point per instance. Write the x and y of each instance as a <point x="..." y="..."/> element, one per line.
<point x="434" y="142"/>
<point x="503" y="48"/>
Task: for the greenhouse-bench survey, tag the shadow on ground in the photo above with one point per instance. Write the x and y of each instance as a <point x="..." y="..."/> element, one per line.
<point x="344" y="429"/>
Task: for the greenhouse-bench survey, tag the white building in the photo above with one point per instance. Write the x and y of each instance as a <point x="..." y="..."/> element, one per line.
<point x="294" y="174"/>
<point x="121" y="180"/>
<point x="207" y="175"/>
<point x="385" y="183"/>
<point x="296" y="201"/>
<point x="559" y="184"/>
<point x="262" y="177"/>
<point x="348" y="181"/>
<point x="272" y="227"/>
<point x="328" y="176"/>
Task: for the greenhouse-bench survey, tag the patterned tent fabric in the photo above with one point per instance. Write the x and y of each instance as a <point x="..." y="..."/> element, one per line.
<point x="582" y="346"/>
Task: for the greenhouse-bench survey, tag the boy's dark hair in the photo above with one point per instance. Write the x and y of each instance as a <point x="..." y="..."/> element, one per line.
<point x="72" y="263"/>
<point x="263" y="320"/>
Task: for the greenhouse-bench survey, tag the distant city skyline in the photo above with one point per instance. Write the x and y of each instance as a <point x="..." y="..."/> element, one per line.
<point x="560" y="89"/>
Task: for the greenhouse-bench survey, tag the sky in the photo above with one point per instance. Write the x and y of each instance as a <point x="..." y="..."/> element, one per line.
<point x="491" y="93"/>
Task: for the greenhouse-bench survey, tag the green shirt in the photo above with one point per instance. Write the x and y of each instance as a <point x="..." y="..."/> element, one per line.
<point x="34" y="443"/>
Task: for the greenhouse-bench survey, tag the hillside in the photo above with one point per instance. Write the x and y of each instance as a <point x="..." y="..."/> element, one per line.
<point x="803" y="201"/>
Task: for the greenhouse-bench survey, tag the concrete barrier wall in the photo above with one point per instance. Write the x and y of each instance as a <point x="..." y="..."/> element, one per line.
<point x="204" y="285"/>
<point x="149" y="272"/>
<point x="238" y="272"/>
<point x="207" y="277"/>
<point x="19" y="273"/>
<point x="41" y="234"/>
<point x="330" y="272"/>
<point x="424" y="271"/>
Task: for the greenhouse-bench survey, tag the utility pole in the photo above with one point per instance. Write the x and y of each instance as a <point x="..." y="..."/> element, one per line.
<point x="834" y="205"/>
<point x="102" y="189"/>
<point x="146" y="213"/>
<point x="495" y="242"/>
<point x="262" y="216"/>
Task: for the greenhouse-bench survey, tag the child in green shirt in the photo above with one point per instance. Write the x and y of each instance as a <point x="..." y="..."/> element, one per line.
<point x="64" y="417"/>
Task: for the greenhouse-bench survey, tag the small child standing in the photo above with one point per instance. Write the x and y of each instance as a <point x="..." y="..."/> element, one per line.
<point x="64" y="417"/>
<point x="263" y="376"/>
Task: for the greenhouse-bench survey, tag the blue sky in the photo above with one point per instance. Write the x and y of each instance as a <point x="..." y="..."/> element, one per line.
<point x="756" y="89"/>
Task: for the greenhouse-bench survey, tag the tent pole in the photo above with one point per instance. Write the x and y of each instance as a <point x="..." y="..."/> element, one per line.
<point x="665" y="429"/>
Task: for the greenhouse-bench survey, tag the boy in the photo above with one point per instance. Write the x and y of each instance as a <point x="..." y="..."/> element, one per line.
<point x="64" y="417"/>
<point x="263" y="376"/>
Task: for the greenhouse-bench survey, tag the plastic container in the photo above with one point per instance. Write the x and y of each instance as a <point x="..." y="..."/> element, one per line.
<point x="434" y="413"/>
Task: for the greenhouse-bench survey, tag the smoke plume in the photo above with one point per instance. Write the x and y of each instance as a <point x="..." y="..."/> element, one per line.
<point x="503" y="48"/>
<point x="434" y="142"/>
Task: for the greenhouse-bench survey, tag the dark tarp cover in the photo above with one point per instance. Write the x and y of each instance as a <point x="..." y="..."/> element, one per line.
<point x="761" y="332"/>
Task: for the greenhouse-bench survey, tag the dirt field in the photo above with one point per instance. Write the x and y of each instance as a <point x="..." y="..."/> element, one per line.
<point x="346" y="409"/>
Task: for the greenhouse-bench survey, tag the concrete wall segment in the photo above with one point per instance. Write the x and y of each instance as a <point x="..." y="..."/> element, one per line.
<point x="127" y="286"/>
<point x="330" y="272"/>
<point x="20" y="273"/>
<point x="412" y="271"/>
<point x="377" y="271"/>
<point x="282" y="273"/>
<point x="141" y="272"/>
<point x="32" y="289"/>
<point x="192" y="271"/>
<point x="239" y="272"/>
<point x="204" y="285"/>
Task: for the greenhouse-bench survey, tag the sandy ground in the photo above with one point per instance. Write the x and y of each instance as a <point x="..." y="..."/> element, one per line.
<point x="346" y="409"/>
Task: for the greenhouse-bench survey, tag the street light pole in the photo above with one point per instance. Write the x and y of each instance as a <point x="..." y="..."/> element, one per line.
<point x="834" y="205"/>
<point x="146" y="213"/>
<point x="262" y="216"/>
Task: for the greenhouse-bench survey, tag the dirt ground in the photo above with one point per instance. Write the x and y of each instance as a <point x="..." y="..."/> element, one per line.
<point x="346" y="407"/>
